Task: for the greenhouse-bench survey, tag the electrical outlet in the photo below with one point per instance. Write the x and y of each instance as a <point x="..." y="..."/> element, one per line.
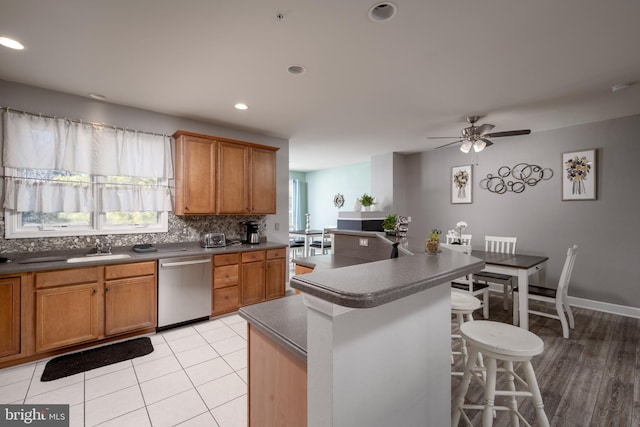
<point x="276" y="226"/>
<point x="364" y="242"/>
<point x="408" y="219"/>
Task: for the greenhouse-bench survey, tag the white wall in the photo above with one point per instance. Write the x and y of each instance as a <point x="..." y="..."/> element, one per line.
<point x="322" y="185"/>
<point x="606" y="230"/>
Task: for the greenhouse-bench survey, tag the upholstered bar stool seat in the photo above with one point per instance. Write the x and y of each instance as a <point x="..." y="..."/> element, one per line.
<point x="508" y="344"/>
<point x="463" y="305"/>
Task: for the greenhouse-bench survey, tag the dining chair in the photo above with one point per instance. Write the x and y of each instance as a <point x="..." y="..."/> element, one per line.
<point x="558" y="297"/>
<point x="466" y="238"/>
<point x="506" y="245"/>
<point x="467" y="283"/>
<point x="324" y="244"/>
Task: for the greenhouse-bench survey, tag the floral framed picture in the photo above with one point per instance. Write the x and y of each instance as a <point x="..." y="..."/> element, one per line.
<point x="461" y="184"/>
<point x="579" y="178"/>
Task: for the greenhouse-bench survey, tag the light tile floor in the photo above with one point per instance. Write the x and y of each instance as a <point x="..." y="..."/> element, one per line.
<point x="196" y="376"/>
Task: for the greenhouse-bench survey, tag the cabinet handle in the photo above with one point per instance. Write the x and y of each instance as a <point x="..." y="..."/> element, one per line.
<point x="186" y="208"/>
<point x="107" y="289"/>
<point x="94" y="291"/>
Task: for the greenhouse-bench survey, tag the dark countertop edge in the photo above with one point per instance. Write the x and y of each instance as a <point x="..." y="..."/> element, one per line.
<point x="171" y="250"/>
<point x="384" y="296"/>
<point x="280" y="338"/>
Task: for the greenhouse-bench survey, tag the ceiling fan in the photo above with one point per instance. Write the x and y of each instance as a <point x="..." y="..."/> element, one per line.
<point x="478" y="136"/>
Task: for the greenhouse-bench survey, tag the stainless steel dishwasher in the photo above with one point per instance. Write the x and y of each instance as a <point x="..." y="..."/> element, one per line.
<point x="184" y="290"/>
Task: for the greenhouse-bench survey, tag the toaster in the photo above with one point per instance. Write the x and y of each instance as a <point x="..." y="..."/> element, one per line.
<point x="213" y="240"/>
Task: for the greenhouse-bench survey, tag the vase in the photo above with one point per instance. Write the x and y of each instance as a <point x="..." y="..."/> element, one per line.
<point x="432" y="246"/>
<point x="367" y="208"/>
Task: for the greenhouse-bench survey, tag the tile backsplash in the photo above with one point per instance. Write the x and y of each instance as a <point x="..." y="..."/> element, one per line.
<point x="181" y="229"/>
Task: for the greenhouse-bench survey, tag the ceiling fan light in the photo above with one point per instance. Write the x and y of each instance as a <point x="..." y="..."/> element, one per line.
<point x="466" y="147"/>
<point x="478" y="146"/>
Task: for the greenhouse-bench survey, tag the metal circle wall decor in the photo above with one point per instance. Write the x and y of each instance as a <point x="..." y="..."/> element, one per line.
<point x="338" y="200"/>
<point x="515" y="179"/>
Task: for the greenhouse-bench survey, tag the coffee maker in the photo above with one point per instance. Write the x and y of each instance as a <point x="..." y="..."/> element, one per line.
<point x="250" y="232"/>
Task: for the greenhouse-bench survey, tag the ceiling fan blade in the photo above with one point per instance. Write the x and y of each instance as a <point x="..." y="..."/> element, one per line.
<point x="442" y="137"/>
<point x="508" y="133"/>
<point x="483" y="129"/>
<point x="451" y="143"/>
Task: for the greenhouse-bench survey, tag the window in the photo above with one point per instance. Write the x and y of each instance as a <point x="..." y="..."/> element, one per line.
<point x="121" y="185"/>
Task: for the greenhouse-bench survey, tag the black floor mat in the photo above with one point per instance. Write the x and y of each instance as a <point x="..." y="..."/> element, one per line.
<point x="72" y="364"/>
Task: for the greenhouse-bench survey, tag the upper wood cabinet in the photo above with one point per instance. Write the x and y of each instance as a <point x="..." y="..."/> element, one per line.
<point x="223" y="176"/>
<point x="195" y="175"/>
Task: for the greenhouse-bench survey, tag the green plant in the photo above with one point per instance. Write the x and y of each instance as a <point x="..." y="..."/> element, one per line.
<point x="390" y="222"/>
<point x="366" y="200"/>
<point x="435" y="235"/>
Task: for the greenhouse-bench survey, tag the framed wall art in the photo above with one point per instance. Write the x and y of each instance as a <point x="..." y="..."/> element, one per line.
<point x="579" y="178"/>
<point x="461" y="184"/>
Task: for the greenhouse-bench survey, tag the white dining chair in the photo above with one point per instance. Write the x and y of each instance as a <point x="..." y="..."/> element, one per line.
<point x="466" y="238"/>
<point x="505" y="245"/>
<point x="558" y="297"/>
<point x="323" y="245"/>
<point x="467" y="283"/>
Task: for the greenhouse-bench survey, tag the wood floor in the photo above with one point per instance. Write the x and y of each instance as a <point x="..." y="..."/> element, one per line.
<point x="590" y="379"/>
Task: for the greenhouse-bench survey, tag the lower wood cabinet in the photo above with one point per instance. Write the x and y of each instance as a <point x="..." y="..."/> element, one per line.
<point x="253" y="275"/>
<point x="226" y="279"/>
<point x="75" y="306"/>
<point x="130" y="302"/>
<point x="67" y="315"/>
<point x="276" y="273"/>
<point x="10" y="316"/>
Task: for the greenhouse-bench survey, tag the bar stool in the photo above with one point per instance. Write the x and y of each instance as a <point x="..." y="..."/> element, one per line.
<point x="463" y="305"/>
<point x="509" y="344"/>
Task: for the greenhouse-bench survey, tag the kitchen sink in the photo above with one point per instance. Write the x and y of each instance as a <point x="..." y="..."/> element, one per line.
<point x="98" y="257"/>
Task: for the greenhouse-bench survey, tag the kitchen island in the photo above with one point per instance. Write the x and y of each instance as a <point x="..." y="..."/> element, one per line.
<point x="377" y="343"/>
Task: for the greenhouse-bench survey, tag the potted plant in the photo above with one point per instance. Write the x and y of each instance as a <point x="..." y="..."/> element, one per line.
<point x="366" y="201"/>
<point x="389" y="224"/>
<point x="432" y="245"/>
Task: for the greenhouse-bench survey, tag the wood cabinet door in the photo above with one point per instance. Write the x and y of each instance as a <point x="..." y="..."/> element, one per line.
<point x="130" y="304"/>
<point x="263" y="181"/>
<point x="195" y="175"/>
<point x="275" y="278"/>
<point x="67" y="315"/>
<point x="233" y="178"/>
<point x="9" y="316"/>
<point x="252" y="287"/>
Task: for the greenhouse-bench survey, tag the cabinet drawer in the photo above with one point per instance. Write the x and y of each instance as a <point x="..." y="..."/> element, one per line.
<point x="276" y="253"/>
<point x="225" y="275"/>
<point x="120" y="271"/>
<point x="72" y="276"/>
<point x="252" y="256"/>
<point x="226" y="259"/>
<point x="225" y="299"/>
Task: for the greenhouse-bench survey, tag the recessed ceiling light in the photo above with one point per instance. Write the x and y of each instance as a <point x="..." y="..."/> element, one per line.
<point x="382" y="12"/>
<point x="296" y="69"/>
<point x="10" y="43"/>
<point x="97" y="96"/>
<point x="241" y="106"/>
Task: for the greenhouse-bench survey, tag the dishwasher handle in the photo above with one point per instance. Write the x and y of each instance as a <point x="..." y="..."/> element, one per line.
<point x="181" y="263"/>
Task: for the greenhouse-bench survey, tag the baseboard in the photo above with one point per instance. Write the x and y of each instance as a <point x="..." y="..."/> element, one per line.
<point x="605" y="307"/>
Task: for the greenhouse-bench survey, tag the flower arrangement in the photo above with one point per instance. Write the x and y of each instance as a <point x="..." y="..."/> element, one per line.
<point x="460" y="180"/>
<point x="577" y="171"/>
<point x="432" y="245"/>
<point x="390" y="222"/>
<point x="434" y="235"/>
<point x="457" y="231"/>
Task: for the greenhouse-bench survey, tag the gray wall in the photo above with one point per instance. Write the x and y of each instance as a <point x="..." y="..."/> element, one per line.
<point x="36" y="100"/>
<point x="606" y="230"/>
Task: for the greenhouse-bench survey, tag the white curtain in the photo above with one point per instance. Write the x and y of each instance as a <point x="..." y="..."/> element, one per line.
<point x="33" y="142"/>
<point x="47" y="197"/>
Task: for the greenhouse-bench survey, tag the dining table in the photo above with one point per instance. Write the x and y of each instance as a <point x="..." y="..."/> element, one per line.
<point x="521" y="266"/>
<point x="308" y="236"/>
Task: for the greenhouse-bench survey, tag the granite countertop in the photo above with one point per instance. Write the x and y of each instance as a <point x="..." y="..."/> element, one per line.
<point x="51" y="260"/>
<point x="329" y="262"/>
<point x="380" y="282"/>
<point x="284" y="320"/>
